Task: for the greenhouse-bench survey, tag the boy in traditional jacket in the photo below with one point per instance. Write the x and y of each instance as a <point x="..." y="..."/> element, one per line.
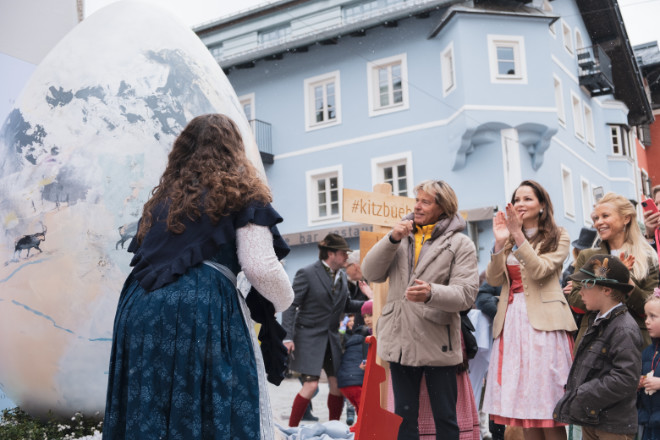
<point x="601" y="392"/>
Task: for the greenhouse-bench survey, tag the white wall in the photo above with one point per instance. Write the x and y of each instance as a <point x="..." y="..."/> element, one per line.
<point x="30" y="28"/>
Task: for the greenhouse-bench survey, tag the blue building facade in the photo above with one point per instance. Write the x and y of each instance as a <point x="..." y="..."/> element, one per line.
<point x="481" y="94"/>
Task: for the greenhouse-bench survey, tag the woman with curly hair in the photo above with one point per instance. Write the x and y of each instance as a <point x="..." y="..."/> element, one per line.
<point x="183" y="363"/>
<point x="531" y="354"/>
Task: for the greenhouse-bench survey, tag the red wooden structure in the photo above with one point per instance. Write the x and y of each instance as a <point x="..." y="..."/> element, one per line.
<point x="374" y="422"/>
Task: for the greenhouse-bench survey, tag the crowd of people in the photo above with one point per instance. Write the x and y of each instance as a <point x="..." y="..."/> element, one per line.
<point x="579" y="349"/>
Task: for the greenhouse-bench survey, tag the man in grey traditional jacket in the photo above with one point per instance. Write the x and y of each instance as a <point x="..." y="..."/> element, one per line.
<point x="312" y="324"/>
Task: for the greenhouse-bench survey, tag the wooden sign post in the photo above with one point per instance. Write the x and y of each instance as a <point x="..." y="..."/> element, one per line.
<point x="382" y="210"/>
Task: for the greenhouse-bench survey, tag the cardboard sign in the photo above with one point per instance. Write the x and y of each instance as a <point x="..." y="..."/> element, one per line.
<point x="375" y="208"/>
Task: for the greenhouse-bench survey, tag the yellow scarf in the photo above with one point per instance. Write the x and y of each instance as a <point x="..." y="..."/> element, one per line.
<point x="422" y="234"/>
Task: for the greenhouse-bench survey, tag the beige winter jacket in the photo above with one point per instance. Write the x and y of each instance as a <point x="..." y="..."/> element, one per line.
<point x="425" y="334"/>
<point x="547" y="307"/>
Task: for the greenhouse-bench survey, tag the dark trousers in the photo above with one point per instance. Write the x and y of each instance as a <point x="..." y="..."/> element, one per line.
<point x="443" y="391"/>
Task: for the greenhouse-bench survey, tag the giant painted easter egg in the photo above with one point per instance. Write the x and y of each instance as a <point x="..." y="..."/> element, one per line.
<point x="79" y="154"/>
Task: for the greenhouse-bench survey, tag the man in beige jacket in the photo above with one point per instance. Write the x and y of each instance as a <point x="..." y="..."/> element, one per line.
<point x="433" y="275"/>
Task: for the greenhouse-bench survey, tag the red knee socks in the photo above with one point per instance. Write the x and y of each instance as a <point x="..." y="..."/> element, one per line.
<point x="298" y="410"/>
<point x="335" y="406"/>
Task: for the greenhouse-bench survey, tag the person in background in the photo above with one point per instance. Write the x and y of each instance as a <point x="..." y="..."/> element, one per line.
<point x="433" y="275"/>
<point x="615" y="219"/>
<point x="585" y="240"/>
<point x="601" y="389"/>
<point x="648" y="401"/>
<point x="524" y="382"/>
<point x="487" y="300"/>
<point x="351" y="370"/>
<point x="358" y="287"/>
<point x="652" y="220"/>
<point x="312" y="324"/>
<point x="181" y="327"/>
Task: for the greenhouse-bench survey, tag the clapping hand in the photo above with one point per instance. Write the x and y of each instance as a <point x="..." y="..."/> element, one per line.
<point x="500" y="230"/>
<point x="513" y="219"/>
<point x="629" y="260"/>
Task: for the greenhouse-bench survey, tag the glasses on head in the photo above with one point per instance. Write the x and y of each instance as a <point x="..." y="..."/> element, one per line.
<point x="588" y="284"/>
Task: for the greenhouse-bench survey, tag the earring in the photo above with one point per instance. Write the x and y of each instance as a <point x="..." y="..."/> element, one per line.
<point x="540" y="211"/>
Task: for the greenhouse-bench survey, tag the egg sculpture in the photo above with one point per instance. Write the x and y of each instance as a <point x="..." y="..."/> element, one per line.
<point x="80" y="152"/>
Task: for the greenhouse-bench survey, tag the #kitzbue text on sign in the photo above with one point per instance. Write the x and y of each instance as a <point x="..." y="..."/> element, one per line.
<point x="374" y="208"/>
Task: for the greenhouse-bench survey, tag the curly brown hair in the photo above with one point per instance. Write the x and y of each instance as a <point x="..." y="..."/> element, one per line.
<point x="206" y="169"/>
<point x="548" y="232"/>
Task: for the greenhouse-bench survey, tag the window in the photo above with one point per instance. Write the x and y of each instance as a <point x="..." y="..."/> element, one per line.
<point x="620" y="140"/>
<point x="357" y="11"/>
<point x="567" y="192"/>
<point x="448" y="72"/>
<point x="578" y="123"/>
<point x="216" y="51"/>
<point x="559" y="101"/>
<point x="322" y="101"/>
<point x="579" y="43"/>
<point x="247" y="103"/>
<point x="275" y="35"/>
<point x="507" y="59"/>
<point x="589" y="126"/>
<point x="395" y="170"/>
<point x="568" y="37"/>
<point x="323" y="195"/>
<point x="646" y="182"/>
<point x="587" y="203"/>
<point x="388" y="85"/>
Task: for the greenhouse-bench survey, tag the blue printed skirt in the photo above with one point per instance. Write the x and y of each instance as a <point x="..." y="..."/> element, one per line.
<point x="182" y="365"/>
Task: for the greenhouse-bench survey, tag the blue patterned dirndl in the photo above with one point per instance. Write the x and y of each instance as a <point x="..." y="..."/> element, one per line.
<point x="183" y="363"/>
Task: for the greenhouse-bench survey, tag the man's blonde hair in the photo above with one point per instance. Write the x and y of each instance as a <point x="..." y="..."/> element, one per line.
<point x="443" y="194"/>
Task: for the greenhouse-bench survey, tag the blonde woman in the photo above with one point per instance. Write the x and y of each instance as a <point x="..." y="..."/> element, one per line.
<point x="615" y="219"/>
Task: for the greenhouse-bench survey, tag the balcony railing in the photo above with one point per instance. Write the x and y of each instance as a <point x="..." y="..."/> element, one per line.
<point x="595" y="70"/>
<point x="263" y="136"/>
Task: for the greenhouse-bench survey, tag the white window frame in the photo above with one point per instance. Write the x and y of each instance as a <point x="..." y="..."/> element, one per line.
<point x="248" y="99"/>
<point x="311" y="179"/>
<point x="589" y="131"/>
<point x="644" y="176"/>
<point x="567" y="34"/>
<point x="579" y="41"/>
<point x="517" y="43"/>
<point x="568" y="194"/>
<point x="378" y="165"/>
<point x="578" y="117"/>
<point x="587" y="201"/>
<point x="559" y="100"/>
<point x="615" y="130"/>
<point x="375" y="109"/>
<point x="625" y="142"/>
<point x="310" y="110"/>
<point x="448" y="68"/>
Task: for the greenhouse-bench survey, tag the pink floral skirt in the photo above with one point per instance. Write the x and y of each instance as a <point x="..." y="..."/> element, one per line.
<point x="523" y="389"/>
